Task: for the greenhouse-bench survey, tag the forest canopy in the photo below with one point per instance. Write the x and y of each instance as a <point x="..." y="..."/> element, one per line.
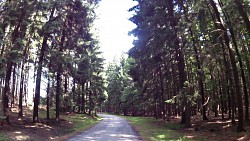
<point x="50" y="41"/>
<point x="190" y="58"/>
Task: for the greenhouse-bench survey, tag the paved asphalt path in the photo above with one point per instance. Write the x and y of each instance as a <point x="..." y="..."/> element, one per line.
<point x="111" y="128"/>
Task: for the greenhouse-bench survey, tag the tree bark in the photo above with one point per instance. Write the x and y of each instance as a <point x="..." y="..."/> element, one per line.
<point x="59" y="73"/>
<point x="6" y="92"/>
<point x="240" y="127"/>
<point x="84" y="90"/>
<point x="243" y="78"/>
<point x="20" y="113"/>
<point x="186" y="113"/>
<point x="39" y="72"/>
<point x="48" y="97"/>
<point x="13" y="86"/>
<point x="74" y="92"/>
<point x="200" y="72"/>
<point x="243" y="14"/>
<point x="58" y="93"/>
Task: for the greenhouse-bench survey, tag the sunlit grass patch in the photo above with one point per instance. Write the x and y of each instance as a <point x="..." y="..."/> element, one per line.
<point x="43" y="113"/>
<point x="152" y="129"/>
<point x="82" y="122"/>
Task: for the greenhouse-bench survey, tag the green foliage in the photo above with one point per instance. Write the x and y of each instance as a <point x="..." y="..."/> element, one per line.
<point x="184" y="54"/>
<point x="55" y="37"/>
<point x="172" y="100"/>
<point x="123" y="93"/>
<point x="51" y="38"/>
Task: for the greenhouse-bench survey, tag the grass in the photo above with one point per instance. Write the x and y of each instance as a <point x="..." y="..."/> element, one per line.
<point x="82" y="122"/>
<point x="43" y="113"/>
<point x="151" y="129"/>
<point x="70" y="124"/>
<point x="3" y="137"/>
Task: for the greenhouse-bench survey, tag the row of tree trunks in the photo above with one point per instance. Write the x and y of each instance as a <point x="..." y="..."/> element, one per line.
<point x="234" y="66"/>
<point x="39" y="70"/>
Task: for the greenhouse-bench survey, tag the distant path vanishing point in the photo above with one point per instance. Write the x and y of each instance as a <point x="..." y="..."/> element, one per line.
<point x="111" y="128"/>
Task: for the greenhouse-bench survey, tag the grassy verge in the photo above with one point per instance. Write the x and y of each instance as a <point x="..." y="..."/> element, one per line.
<point x="3" y="137"/>
<point x="151" y="129"/>
<point x="82" y="122"/>
<point x="70" y="124"/>
<point x="79" y="122"/>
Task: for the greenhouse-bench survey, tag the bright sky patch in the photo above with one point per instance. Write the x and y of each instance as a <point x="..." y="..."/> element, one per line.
<point x="113" y="26"/>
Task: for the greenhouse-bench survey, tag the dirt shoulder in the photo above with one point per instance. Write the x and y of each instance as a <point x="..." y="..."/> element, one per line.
<point x="25" y="129"/>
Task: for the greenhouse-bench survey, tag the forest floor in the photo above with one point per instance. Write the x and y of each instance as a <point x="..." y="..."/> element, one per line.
<point x="150" y="129"/>
<point x="26" y="130"/>
<point x="214" y="129"/>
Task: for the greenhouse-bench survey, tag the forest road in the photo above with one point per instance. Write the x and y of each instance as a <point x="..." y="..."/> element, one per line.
<point x="111" y="128"/>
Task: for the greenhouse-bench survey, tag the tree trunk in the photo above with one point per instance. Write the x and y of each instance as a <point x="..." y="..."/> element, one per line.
<point x="6" y="92"/>
<point x="39" y="72"/>
<point x="13" y="86"/>
<point x="220" y="96"/>
<point x="3" y="28"/>
<point x="243" y="14"/>
<point x="18" y="32"/>
<point x="20" y="113"/>
<point x="38" y="80"/>
<point x="199" y="69"/>
<point x="48" y="97"/>
<point x="162" y="105"/>
<point x="215" y="105"/>
<point x="233" y="99"/>
<point x="234" y="67"/>
<point x="91" y="100"/>
<point x="79" y="100"/>
<point x="84" y="90"/>
<point x="200" y="73"/>
<point x="18" y="79"/>
<point x="243" y="78"/>
<point x="73" y="93"/>
<point x="228" y="72"/>
<point x="186" y="113"/>
<point x="58" y="93"/>
<point x="59" y="73"/>
<point x="65" y="84"/>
